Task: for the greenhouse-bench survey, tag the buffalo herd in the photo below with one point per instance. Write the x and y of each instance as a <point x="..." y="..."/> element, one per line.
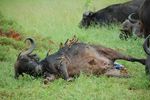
<point x="74" y="57"/>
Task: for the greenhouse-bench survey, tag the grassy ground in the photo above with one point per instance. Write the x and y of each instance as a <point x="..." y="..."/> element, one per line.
<point x="50" y="22"/>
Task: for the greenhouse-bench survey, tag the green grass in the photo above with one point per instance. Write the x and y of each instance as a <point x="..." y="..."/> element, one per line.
<point x="57" y="20"/>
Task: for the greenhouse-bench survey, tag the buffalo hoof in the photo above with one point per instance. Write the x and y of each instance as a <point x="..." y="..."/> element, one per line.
<point x="45" y="81"/>
<point x="70" y="79"/>
<point x="122" y="73"/>
<point x="49" y="79"/>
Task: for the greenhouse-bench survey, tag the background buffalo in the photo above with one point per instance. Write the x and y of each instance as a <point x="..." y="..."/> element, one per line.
<point x="112" y="13"/>
<point x="145" y="17"/>
<point x="131" y="27"/>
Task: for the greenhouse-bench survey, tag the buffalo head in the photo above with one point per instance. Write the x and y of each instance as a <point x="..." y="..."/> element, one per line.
<point x="131" y="26"/>
<point x="27" y="62"/>
<point x="87" y="19"/>
<point x="105" y="16"/>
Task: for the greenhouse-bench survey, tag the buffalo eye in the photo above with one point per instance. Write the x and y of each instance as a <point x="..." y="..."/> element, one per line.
<point x="24" y="59"/>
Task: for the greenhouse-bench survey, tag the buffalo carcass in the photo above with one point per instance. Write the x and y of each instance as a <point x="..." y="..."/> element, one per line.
<point x="145" y="17"/>
<point x="131" y="26"/>
<point x="74" y="57"/>
<point x="28" y="63"/>
<point x="112" y="13"/>
<point x="146" y="47"/>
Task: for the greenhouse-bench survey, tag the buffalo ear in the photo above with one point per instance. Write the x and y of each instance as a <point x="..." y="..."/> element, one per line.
<point x="91" y="13"/>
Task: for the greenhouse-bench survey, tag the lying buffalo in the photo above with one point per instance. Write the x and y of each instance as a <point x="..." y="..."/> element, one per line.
<point x="74" y="57"/>
<point x="112" y="13"/>
<point x="131" y="26"/>
<point x="146" y="46"/>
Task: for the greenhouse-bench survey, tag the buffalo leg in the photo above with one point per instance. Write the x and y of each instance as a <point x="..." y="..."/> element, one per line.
<point x="115" y="55"/>
<point x="142" y="61"/>
<point x="64" y="72"/>
<point x="117" y="73"/>
<point x="129" y="58"/>
<point x="17" y="73"/>
<point x="147" y="67"/>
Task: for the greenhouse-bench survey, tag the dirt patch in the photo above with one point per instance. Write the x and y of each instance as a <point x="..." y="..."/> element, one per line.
<point x="11" y="34"/>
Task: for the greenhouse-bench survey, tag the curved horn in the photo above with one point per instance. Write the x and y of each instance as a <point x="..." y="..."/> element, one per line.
<point x="32" y="47"/>
<point x="131" y="19"/>
<point x="48" y="53"/>
<point x="145" y="45"/>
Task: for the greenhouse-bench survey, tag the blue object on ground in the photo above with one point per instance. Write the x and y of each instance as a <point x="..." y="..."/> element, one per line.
<point x="118" y="66"/>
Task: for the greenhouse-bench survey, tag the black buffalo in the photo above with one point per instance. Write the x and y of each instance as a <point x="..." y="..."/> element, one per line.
<point x="112" y="13"/>
<point x="74" y="57"/>
<point x="131" y="26"/>
<point x="27" y="62"/>
<point x="146" y="47"/>
<point x="145" y="17"/>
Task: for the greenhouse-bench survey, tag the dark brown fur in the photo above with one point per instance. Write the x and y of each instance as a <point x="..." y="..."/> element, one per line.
<point x="146" y="48"/>
<point x="71" y="59"/>
<point x="28" y="63"/>
<point x="76" y="57"/>
<point x="111" y="14"/>
<point x="131" y="26"/>
<point x="145" y="17"/>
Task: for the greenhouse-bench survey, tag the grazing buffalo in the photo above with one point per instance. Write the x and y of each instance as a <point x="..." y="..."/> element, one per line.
<point x="73" y="58"/>
<point x="27" y="62"/>
<point x="131" y="26"/>
<point x="145" y="17"/>
<point x="112" y="13"/>
<point x="146" y="47"/>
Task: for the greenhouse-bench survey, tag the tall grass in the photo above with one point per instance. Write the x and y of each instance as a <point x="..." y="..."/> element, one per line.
<point x="50" y="22"/>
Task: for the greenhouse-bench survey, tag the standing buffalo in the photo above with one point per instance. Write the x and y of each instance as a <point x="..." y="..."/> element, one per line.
<point x="112" y="13"/>
<point x="146" y="46"/>
<point x="145" y="17"/>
